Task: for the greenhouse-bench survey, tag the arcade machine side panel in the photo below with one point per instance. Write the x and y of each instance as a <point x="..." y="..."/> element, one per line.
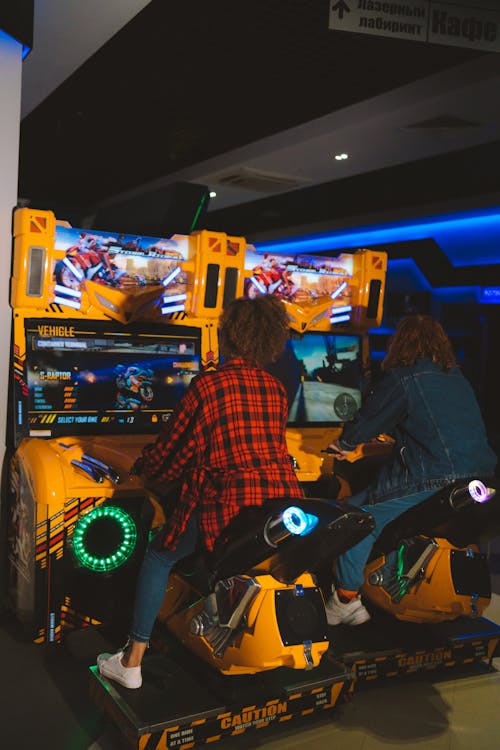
<point x="40" y="518"/>
<point x="331" y="303"/>
<point x="33" y="552"/>
<point x="73" y="544"/>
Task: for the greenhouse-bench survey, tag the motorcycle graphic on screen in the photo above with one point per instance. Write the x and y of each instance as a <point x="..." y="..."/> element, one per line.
<point x="87" y="260"/>
<point x="134" y="387"/>
<point x="270" y="278"/>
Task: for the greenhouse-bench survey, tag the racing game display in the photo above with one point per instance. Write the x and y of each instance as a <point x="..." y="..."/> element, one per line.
<point x="82" y="378"/>
<point x="299" y="278"/>
<point x="322" y="374"/>
<point x="119" y="260"/>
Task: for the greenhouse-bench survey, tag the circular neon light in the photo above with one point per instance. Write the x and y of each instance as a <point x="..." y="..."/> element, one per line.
<point x="294" y="520"/>
<point x="297" y="521"/>
<point x="478" y="491"/>
<point x="104" y="538"/>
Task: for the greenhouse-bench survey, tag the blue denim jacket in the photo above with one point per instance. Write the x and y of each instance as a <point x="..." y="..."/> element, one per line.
<point x="434" y="418"/>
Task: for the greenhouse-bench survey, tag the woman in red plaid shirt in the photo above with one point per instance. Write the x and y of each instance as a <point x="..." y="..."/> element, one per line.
<point x="226" y="444"/>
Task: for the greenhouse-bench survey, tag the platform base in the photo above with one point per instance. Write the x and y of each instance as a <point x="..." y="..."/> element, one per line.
<point x="184" y="703"/>
<point x="385" y="647"/>
<point x="173" y="709"/>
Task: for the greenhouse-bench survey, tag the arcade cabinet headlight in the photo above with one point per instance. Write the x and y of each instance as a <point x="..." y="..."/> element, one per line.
<point x="119" y="552"/>
<point x="474" y="491"/>
<point x="298" y="522"/>
<point x="479" y="492"/>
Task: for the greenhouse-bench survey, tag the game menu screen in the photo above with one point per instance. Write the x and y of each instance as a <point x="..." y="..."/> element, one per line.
<point x="94" y="378"/>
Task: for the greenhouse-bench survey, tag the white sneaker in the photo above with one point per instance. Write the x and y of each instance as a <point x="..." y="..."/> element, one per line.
<point x="110" y="666"/>
<point x="350" y="613"/>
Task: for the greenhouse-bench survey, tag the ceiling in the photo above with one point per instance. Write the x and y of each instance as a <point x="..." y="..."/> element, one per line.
<point x="253" y="101"/>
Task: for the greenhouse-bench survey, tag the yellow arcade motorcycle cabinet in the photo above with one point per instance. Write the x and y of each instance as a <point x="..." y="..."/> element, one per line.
<point x="426" y="566"/>
<point x="94" y="313"/>
<point x="254" y="604"/>
<point x="108" y="331"/>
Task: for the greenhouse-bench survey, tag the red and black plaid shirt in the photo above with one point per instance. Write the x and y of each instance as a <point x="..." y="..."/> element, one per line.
<point x="226" y="442"/>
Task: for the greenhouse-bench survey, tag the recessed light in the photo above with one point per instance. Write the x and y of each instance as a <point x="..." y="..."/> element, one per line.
<point x="341" y="157"/>
<point x="212" y="194"/>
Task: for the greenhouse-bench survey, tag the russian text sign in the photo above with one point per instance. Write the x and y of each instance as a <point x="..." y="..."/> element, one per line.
<point x="454" y="24"/>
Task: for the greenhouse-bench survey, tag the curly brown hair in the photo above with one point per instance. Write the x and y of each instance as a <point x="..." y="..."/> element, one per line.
<point x="254" y="329"/>
<point x="419" y="336"/>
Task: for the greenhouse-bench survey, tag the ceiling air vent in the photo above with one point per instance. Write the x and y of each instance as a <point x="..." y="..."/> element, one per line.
<point x="443" y="123"/>
<point x="247" y="178"/>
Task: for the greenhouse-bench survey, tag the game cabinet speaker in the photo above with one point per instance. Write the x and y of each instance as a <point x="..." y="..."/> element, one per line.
<point x="103" y="554"/>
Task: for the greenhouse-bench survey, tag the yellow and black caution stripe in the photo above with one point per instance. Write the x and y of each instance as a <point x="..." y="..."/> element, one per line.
<point x="202" y="730"/>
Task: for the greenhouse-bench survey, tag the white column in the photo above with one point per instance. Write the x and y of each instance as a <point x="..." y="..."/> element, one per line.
<point x="10" y="113"/>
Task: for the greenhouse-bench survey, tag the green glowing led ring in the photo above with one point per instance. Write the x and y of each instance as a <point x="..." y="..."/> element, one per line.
<point x="114" y="559"/>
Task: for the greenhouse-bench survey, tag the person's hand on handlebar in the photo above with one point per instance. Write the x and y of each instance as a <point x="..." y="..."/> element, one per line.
<point x="137" y="467"/>
<point x="335" y="449"/>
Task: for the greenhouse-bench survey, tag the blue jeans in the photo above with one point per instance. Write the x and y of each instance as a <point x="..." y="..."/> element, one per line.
<point x="350" y="565"/>
<point x="152" y="581"/>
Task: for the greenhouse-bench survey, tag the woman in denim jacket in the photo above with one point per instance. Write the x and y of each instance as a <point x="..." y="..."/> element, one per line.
<point x="429" y="408"/>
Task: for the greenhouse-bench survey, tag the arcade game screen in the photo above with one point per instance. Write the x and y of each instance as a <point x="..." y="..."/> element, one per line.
<point x="104" y="380"/>
<point x="322" y="374"/>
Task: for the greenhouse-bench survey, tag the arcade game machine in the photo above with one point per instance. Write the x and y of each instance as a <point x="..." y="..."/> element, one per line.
<point x="331" y="303"/>
<point x="108" y="331"/>
<point x="427" y="580"/>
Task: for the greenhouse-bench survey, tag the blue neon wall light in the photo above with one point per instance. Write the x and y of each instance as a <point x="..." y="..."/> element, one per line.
<point x="490" y="295"/>
<point x="467" y="237"/>
<point x="25" y="48"/>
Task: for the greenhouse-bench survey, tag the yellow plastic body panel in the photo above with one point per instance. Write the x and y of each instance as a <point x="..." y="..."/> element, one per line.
<point x="307" y="445"/>
<point x="216" y="254"/>
<point x="258" y="647"/>
<point x="433" y="598"/>
<point x="369" y="266"/>
<point x="53" y="478"/>
<point x="37" y="229"/>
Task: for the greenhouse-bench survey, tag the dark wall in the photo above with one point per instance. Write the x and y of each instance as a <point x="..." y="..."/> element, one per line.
<point x="16" y="19"/>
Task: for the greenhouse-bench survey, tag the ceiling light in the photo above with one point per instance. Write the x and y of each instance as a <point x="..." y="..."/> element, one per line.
<point x="212" y="194"/>
<point x="341" y="157"/>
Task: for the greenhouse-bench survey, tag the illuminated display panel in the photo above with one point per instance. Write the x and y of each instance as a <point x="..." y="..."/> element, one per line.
<point x="299" y="278"/>
<point x="138" y="268"/>
<point x="92" y="378"/>
<point x="322" y="374"/>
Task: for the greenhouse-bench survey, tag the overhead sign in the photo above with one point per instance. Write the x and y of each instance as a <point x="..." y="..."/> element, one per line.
<point x="449" y="23"/>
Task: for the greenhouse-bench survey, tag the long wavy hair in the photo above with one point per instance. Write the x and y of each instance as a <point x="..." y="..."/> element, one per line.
<point x="253" y="329"/>
<point x="419" y="336"/>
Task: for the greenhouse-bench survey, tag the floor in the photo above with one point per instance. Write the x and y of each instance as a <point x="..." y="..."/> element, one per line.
<point x="45" y="705"/>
